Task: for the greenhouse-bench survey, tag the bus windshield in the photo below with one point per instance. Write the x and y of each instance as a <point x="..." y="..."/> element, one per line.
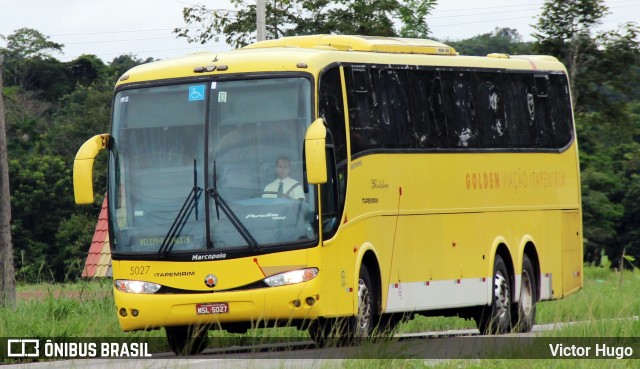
<point x="211" y="165"/>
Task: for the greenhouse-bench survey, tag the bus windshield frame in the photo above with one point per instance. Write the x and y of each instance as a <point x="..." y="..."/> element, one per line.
<point x="193" y="163"/>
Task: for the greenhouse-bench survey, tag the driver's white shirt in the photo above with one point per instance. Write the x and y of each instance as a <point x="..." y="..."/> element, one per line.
<point x="287" y="183"/>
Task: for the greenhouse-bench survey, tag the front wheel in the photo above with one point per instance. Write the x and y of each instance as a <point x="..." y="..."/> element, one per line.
<point x="524" y="312"/>
<point x="346" y="331"/>
<point x="367" y="306"/>
<point x="187" y="340"/>
<point x="496" y="317"/>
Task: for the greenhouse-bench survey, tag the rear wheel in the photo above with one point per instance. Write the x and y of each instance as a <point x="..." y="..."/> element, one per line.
<point x="496" y="317"/>
<point x="524" y="312"/>
<point x="187" y="340"/>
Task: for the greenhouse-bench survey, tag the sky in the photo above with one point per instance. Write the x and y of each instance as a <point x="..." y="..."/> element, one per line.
<point x="144" y="28"/>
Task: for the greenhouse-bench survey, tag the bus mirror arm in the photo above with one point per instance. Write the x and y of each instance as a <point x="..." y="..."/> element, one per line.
<point x="315" y="152"/>
<point x="83" y="168"/>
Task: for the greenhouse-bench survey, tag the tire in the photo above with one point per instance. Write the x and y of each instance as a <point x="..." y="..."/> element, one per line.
<point x="347" y="331"/>
<point x="187" y="340"/>
<point x="365" y="320"/>
<point x="524" y="312"/>
<point x="496" y="317"/>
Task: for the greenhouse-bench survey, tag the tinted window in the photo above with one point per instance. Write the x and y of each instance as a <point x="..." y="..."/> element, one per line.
<point x="544" y="124"/>
<point x="331" y="108"/>
<point x="425" y="96"/>
<point x="363" y="115"/>
<point x="457" y="109"/>
<point x="490" y="110"/>
<point x="560" y="109"/>
<point x="393" y="106"/>
<point x="330" y="105"/>
<point x="521" y="129"/>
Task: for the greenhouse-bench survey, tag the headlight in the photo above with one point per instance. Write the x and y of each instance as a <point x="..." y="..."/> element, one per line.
<point x="128" y="286"/>
<point x="292" y="277"/>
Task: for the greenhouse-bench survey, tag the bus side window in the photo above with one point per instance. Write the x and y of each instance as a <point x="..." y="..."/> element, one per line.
<point x="560" y="109"/>
<point x="332" y="110"/>
<point x="490" y="110"/>
<point x="520" y="110"/>
<point x="544" y="123"/>
<point x="364" y="125"/>
<point x="429" y="127"/>
<point x="331" y="213"/>
<point x="394" y="107"/>
<point x="459" y="109"/>
<point x="330" y="107"/>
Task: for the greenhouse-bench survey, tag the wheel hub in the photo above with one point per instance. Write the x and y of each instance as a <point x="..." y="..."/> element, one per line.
<point x="526" y="298"/>
<point x="364" y="308"/>
<point x="502" y="295"/>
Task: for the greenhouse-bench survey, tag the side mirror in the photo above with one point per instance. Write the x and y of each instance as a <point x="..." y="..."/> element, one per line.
<point x="83" y="168"/>
<point x="315" y="152"/>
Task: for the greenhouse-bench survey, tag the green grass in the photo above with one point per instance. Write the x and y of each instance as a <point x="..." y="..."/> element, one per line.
<point x="83" y="309"/>
<point x="87" y="287"/>
<point x="603" y="297"/>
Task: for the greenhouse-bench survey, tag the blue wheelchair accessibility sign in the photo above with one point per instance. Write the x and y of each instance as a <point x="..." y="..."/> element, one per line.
<point x="196" y="93"/>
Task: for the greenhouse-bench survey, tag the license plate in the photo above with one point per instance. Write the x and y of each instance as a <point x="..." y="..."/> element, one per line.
<point x="215" y="308"/>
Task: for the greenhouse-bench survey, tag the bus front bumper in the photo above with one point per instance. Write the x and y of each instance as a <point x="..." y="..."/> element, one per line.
<point x="258" y="307"/>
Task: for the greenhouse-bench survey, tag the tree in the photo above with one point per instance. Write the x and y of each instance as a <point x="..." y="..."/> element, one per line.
<point x="610" y="163"/>
<point x="501" y="40"/>
<point x="48" y="78"/>
<point x="413" y="14"/>
<point x="120" y="64"/>
<point x="26" y="121"/>
<point x="600" y="215"/>
<point x="24" y="44"/>
<point x="41" y="199"/>
<point x="82" y="113"/>
<point x="615" y="73"/>
<point x="86" y="69"/>
<point x="564" y="29"/>
<point x="626" y="162"/>
<point x="72" y="239"/>
<point x="631" y="218"/>
<point x="289" y="18"/>
<point x="7" y="278"/>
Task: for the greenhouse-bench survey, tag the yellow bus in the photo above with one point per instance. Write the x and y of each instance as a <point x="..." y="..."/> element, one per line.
<point x="338" y="181"/>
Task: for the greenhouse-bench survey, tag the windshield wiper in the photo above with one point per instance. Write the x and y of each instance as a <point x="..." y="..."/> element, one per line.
<point x="190" y="204"/>
<point x="220" y="203"/>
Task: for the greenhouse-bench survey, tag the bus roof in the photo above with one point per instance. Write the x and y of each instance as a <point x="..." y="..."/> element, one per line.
<point x="361" y="43"/>
<point x="313" y="53"/>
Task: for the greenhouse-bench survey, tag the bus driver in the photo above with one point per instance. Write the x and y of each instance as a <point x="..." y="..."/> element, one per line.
<point x="283" y="186"/>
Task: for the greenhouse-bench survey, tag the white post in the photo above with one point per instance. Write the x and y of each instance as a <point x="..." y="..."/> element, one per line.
<point x="261" y="26"/>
